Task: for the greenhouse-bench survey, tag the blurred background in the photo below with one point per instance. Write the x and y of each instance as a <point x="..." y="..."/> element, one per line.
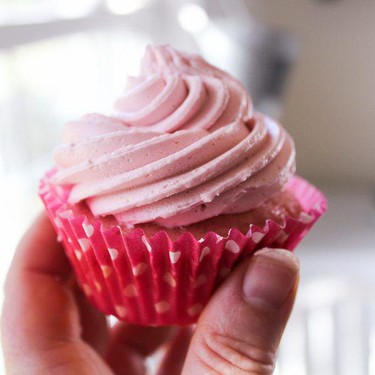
<point x="308" y="63"/>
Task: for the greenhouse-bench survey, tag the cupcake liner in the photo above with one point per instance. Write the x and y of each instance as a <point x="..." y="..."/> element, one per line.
<point x="159" y="281"/>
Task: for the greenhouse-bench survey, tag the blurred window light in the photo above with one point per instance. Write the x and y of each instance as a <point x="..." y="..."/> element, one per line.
<point x="225" y="57"/>
<point x="126" y="6"/>
<point x="371" y="364"/>
<point x="192" y="18"/>
<point x="36" y="11"/>
<point x="17" y="12"/>
<point x="320" y="336"/>
<point x="74" y="8"/>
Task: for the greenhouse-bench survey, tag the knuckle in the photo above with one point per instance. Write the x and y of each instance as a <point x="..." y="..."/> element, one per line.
<point x="223" y="354"/>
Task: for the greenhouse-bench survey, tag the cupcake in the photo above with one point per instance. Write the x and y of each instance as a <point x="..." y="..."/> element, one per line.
<point x="156" y="203"/>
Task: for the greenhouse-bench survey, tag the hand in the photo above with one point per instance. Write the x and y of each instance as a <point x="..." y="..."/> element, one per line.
<point x="49" y="328"/>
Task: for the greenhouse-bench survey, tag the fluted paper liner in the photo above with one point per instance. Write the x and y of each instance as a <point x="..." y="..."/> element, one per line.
<point x="157" y="281"/>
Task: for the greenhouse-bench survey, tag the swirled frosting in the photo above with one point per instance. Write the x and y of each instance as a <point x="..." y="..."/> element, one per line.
<point x="183" y="146"/>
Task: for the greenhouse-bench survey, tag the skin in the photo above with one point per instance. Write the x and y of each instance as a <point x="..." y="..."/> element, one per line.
<point x="49" y="328"/>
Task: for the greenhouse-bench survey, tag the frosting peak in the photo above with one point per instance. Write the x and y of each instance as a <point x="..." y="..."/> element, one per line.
<point x="184" y="146"/>
<point x="180" y="91"/>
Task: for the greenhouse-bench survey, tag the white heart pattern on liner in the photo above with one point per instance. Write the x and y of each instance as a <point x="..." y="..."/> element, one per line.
<point x="84" y="243"/>
<point x="168" y="278"/>
<point x="161" y="307"/>
<point x="306" y="218"/>
<point x="148" y="246"/>
<point x="68" y="214"/>
<point x="131" y="291"/>
<point x="206" y="250"/>
<point x="78" y="254"/>
<point x="89" y="229"/>
<point x="120" y="311"/>
<point x="139" y="269"/>
<point x="87" y="289"/>
<point x="257" y="237"/>
<point x="106" y="271"/>
<point x="98" y="286"/>
<point x="113" y="253"/>
<point x="232" y="246"/>
<point x="58" y="222"/>
<point x="282" y="237"/>
<point x="174" y="256"/>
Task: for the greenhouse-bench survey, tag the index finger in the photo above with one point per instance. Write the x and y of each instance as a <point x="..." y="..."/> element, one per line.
<point x="40" y="252"/>
<point x="38" y="307"/>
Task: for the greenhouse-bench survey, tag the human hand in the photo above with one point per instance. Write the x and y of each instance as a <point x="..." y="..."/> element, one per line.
<point x="48" y="327"/>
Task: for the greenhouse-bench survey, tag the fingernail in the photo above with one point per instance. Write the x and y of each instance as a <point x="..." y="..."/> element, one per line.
<point x="270" y="277"/>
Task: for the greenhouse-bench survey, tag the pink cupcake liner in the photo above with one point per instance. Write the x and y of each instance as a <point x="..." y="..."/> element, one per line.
<point x="157" y="280"/>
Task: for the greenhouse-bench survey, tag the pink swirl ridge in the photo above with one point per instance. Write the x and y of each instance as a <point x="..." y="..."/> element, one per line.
<point x="184" y="146"/>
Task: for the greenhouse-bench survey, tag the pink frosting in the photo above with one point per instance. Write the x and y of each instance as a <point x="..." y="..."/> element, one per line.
<point x="183" y="146"/>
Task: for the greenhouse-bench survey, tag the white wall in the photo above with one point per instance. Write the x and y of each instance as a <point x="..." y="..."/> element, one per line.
<point x="330" y="99"/>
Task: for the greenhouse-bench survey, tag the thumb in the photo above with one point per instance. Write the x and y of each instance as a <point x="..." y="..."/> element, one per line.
<point x="240" y="329"/>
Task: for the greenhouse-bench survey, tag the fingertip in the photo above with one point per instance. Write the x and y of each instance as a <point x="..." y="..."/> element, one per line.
<point x="285" y="257"/>
<point x="39" y="251"/>
<point x="38" y="305"/>
<point x="270" y="278"/>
